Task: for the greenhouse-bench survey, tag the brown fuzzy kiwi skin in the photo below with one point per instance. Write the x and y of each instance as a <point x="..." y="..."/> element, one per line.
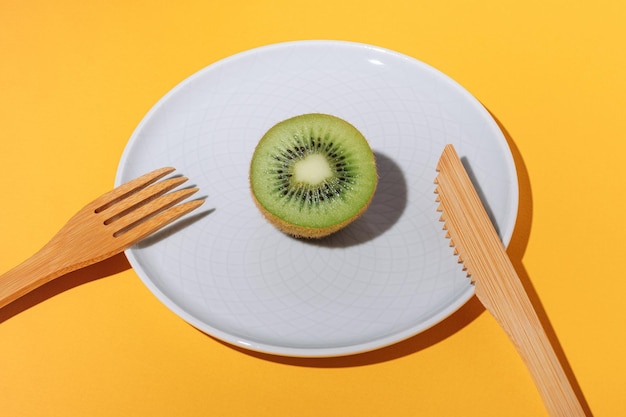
<point x="299" y="232"/>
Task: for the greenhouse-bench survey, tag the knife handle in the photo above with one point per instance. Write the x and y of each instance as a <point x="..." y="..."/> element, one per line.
<point x="515" y="313"/>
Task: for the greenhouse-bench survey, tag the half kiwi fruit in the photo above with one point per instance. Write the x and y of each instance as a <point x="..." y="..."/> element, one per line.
<point x="312" y="175"/>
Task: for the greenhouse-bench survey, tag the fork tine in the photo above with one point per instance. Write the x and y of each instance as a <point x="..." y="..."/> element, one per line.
<point x="121" y="206"/>
<point x="130" y="187"/>
<point x="136" y="232"/>
<point x="150" y="209"/>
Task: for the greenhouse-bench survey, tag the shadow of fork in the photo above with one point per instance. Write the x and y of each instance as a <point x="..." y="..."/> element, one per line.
<point x="105" y="268"/>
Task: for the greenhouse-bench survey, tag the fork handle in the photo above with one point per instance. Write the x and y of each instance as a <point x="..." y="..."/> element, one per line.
<point x="40" y="268"/>
<point x="517" y="316"/>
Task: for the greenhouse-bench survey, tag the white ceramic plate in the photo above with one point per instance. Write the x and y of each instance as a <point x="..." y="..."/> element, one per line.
<point x="388" y="276"/>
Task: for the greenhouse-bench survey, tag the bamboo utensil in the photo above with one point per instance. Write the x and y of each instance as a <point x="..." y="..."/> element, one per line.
<point x="498" y="286"/>
<point x="105" y="227"/>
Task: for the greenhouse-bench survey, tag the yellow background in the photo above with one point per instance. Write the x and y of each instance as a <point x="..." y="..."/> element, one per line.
<point x="76" y="77"/>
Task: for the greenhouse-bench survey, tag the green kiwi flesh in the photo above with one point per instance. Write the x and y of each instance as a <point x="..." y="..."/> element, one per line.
<point x="312" y="175"/>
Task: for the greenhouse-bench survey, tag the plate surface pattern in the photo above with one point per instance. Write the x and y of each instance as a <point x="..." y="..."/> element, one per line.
<point x="386" y="277"/>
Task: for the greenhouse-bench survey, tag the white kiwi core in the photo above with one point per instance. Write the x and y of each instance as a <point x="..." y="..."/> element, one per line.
<point x="313" y="169"/>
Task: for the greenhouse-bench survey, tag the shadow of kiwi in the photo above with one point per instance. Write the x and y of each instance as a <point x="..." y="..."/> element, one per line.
<point x="388" y="203"/>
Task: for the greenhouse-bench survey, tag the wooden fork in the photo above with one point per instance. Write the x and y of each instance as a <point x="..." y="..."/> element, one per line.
<point x="498" y="286"/>
<point x="105" y="227"/>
